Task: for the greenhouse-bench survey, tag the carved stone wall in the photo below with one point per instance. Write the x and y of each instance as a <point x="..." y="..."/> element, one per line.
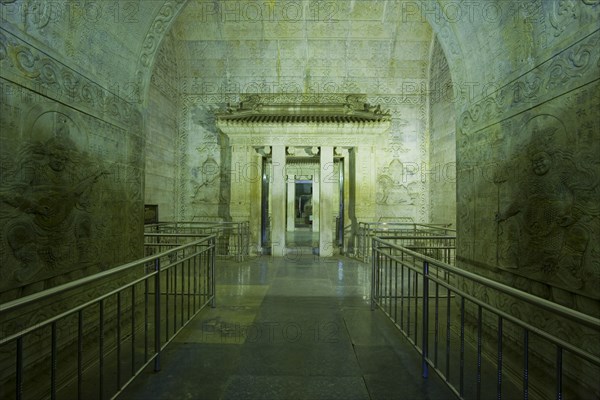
<point x="529" y="159"/>
<point x="528" y="182"/>
<point x="162" y="131"/>
<point x="71" y="182"/>
<point x="442" y="140"/>
<point x="203" y="161"/>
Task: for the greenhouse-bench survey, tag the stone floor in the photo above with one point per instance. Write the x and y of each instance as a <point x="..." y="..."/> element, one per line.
<point x="298" y="327"/>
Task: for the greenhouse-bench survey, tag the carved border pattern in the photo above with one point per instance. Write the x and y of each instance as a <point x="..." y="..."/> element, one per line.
<point x="578" y="64"/>
<point x="451" y="47"/>
<point x="181" y="190"/>
<point x="152" y="40"/>
<point x="42" y="74"/>
<point x="424" y="209"/>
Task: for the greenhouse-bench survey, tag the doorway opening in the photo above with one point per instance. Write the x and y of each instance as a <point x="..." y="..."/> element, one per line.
<point x="302" y="235"/>
<point x="303" y="206"/>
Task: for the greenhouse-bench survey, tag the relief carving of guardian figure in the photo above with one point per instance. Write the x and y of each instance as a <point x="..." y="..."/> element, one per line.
<point x="546" y="226"/>
<point x="46" y="206"/>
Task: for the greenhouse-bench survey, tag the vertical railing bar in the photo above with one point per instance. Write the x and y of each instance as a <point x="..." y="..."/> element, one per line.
<point x="525" y="364"/>
<point x="133" y="322"/>
<point x="167" y="295"/>
<point x="388" y="283"/>
<point x="101" y="349"/>
<point x="391" y="295"/>
<point x="173" y="270"/>
<point x="213" y="281"/>
<point x="207" y="255"/>
<point x="395" y="291"/>
<point x="182" y="293"/>
<point x="157" y="297"/>
<point x="53" y="361"/>
<point x="80" y="354"/>
<point x="146" y="323"/>
<point x="385" y="260"/>
<point x="373" y="275"/>
<point x="408" y="311"/>
<point x="19" y="369"/>
<point x="402" y="267"/>
<point x="448" y="319"/>
<point x="118" y="340"/>
<point x="479" y="345"/>
<point x="500" y="359"/>
<point x="239" y="250"/>
<point x="378" y="271"/>
<point x="559" y="375"/>
<point x="437" y="319"/>
<point x="381" y="279"/>
<point x="416" y="297"/>
<point x="189" y="291"/>
<point x="195" y="282"/>
<point x="462" y="347"/>
<point x="381" y="260"/>
<point x="425" y="327"/>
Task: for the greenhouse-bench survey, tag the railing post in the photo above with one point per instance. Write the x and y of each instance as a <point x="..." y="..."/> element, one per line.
<point x="425" y="366"/>
<point x="374" y="267"/>
<point x="239" y="249"/>
<point x="157" y="314"/>
<point x="211" y="260"/>
<point x="19" y="369"/>
<point x="559" y="379"/>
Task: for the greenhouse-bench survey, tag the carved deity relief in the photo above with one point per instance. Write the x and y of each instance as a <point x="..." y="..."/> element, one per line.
<point x="206" y="181"/>
<point x="44" y="204"/>
<point x="546" y="226"/>
<point x="391" y="189"/>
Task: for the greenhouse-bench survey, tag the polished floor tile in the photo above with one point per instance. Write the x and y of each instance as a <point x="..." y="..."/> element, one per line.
<point x="289" y="328"/>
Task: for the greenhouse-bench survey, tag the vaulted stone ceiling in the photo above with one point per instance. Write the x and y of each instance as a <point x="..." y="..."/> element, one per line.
<point x="301" y="46"/>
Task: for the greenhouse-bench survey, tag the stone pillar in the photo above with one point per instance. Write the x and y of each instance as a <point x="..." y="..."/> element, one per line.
<point x="291" y="202"/>
<point x="315" y="200"/>
<point x="254" y="175"/>
<point x="366" y="184"/>
<point x="346" y="195"/>
<point x="241" y="195"/>
<point x="325" y="203"/>
<point x="278" y="203"/>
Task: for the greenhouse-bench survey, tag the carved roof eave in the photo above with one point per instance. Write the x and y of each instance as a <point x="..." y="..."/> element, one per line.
<point x="351" y="134"/>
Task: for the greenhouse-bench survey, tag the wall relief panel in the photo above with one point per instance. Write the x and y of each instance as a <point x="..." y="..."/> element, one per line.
<point x="68" y="181"/>
<point x="537" y="179"/>
<point x="549" y="210"/>
<point x="576" y="65"/>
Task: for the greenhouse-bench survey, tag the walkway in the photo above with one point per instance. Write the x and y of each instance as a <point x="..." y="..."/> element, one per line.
<point x="290" y="328"/>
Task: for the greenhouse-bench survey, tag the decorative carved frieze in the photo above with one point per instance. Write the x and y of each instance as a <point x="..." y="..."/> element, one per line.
<point x="32" y="68"/>
<point x="161" y="24"/>
<point x="576" y="65"/>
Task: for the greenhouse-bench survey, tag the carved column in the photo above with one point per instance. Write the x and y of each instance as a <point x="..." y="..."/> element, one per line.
<point x="315" y="200"/>
<point x="326" y="206"/>
<point x="241" y="175"/>
<point x="254" y="175"/>
<point x="291" y="202"/>
<point x="346" y="221"/>
<point x="278" y="203"/>
<point x="366" y="184"/>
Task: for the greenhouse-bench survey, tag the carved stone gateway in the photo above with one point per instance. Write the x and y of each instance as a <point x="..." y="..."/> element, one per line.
<point x="305" y="128"/>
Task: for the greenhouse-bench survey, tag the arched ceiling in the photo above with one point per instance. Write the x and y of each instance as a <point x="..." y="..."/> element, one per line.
<point x="301" y="47"/>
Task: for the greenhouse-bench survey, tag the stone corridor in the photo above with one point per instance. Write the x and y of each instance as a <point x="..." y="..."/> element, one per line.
<point x="290" y="328"/>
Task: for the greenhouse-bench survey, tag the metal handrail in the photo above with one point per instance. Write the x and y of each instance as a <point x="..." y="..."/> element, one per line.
<point x="240" y="232"/>
<point x="388" y="294"/>
<point x="185" y="283"/>
<point x="367" y="230"/>
<point x="35" y="297"/>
